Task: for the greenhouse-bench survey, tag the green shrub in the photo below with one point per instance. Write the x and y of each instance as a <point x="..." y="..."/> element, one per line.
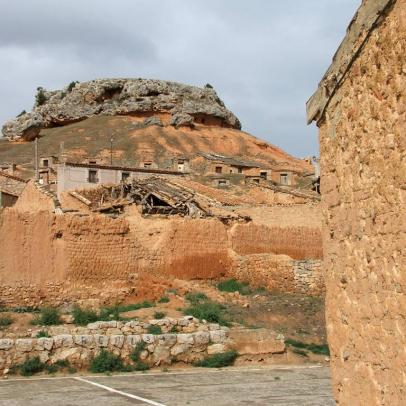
<point x="113" y="312"/>
<point x="174" y="330"/>
<point x="224" y="359"/>
<point x="31" y="366"/>
<point x="72" y="370"/>
<point x="42" y="333"/>
<point x="159" y="315"/>
<point x="232" y="285"/>
<point x="141" y="366"/>
<point x="48" y="316"/>
<point x="209" y="311"/>
<point x="72" y="85"/>
<point x="300" y="352"/>
<point x="82" y="317"/>
<point x="51" y="369"/>
<point x="196" y="297"/>
<point x="106" y="362"/>
<point x="5" y="321"/>
<point x="154" y="330"/>
<point x="40" y="97"/>
<point x="135" y="354"/>
<point x="321" y="349"/>
<point x="164" y="299"/>
<point x="62" y="363"/>
<point x="25" y="309"/>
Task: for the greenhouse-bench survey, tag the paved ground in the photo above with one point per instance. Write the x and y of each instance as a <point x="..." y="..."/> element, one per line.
<point x="249" y="387"/>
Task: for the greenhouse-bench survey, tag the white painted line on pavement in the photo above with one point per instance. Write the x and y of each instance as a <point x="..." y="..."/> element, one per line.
<point x="119" y="392"/>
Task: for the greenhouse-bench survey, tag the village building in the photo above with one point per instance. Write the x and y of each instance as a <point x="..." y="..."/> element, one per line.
<point x="11" y="188"/>
<point x="73" y="176"/>
<point x="360" y="110"/>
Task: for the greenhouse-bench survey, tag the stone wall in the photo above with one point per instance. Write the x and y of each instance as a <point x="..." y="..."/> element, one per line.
<point x="363" y="166"/>
<point x="182" y="340"/>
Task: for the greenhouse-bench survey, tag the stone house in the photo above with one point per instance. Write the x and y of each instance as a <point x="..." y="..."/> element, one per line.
<point x="72" y="176"/>
<point x="11" y="188"/>
<point x="360" y="110"/>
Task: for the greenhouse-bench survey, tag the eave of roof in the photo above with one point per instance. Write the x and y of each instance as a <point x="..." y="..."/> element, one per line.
<point x="124" y="168"/>
<point x="363" y="23"/>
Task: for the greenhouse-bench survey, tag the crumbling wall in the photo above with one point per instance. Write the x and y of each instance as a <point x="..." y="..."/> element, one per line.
<point x="363" y="163"/>
<point x="50" y="258"/>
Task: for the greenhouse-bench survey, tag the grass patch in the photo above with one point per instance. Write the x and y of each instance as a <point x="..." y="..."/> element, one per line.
<point x="164" y="299"/>
<point x="210" y="311"/>
<point x="42" y="334"/>
<point x="31" y="366"/>
<point x="232" y="285"/>
<point x="154" y="330"/>
<point x="106" y="362"/>
<point x="82" y="317"/>
<point x="135" y="306"/>
<point x="5" y="321"/>
<point x="48" y="316"/>
<point x="159" y="315"/>
<point x="224" y="359"/>
<point x="321" y="349"/>
<point x="196" y="297"/>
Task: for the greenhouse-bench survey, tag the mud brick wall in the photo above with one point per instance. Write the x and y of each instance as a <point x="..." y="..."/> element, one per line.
<point x="56" y="259"/>
<point x="363" y="166"/>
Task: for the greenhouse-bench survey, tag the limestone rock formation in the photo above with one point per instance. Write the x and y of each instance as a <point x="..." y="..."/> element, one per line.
<point x="112" y="97"/>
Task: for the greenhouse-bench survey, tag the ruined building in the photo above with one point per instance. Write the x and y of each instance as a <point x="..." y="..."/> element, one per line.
<point x="361" y="112"/>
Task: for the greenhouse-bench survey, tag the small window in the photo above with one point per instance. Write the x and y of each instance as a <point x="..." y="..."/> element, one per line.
<point x="45" y="163"/>
<point x="284" y="179"/>
<point x="147" y="165"/>
<point x="264" y="175"/>
<point x="222" y="182"/>
<point x="124" y="176"/>
<point x="231" y="171"/>
<point x="255" y="180"/>
<point x="239" y="169"/>
<point x="92" y="162"/>
<point x="92" y="176"/>
<point x="219" y="169"/>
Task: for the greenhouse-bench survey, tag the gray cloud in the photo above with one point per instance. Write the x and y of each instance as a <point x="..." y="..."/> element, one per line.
<point x="264" y="57"/>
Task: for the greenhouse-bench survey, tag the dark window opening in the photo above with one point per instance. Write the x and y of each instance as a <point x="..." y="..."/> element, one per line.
<point x="92" y="176"/>
<point x="45" y="163"/>
<point x="124" y="176"/>
<point x="92" y="162"/>
<point x="263" y="175"/>
<point x="219" y="169"/>
<point x="256" y="180"/>
<point x="147" y="165"/>
<point x="239" y="170"/>
<point x="222" y="182"/>
<point x="284" y="179"/>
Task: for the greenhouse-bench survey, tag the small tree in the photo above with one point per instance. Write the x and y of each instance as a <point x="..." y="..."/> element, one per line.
<point x="40" y="97"/>
<point x="72" y="85"/>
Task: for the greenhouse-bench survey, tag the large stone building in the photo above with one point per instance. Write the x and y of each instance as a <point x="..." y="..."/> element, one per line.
<point x="360" y="110"/>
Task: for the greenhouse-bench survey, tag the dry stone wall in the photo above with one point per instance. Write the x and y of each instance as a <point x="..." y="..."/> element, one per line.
<point x="183" y="340"/>
<point x="363" y="163"/>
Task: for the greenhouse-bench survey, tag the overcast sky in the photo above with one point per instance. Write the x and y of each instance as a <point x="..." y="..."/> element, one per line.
<point x="264" y="57"/>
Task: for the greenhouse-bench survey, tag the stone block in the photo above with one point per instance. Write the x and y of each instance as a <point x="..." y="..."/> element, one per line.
<point x="45" y="343"/>
<point x="217" y="336"/>
<point x="6" y="343"/>
<point x="101" y="340"/>
<point x="185" y="339"/>
<point x="117" y="341"/>
<point x="216" y="349"/>
<point x="24" y="344"/>
<point x="201" y="337"/>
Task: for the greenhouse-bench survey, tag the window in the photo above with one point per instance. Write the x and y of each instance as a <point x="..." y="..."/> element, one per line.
<point x="92" y="176"/>
<point x="124" y="176"/>
<point x="45" y="163"/>
<point x="219" y="169"/>
<point x="92" y="162"/>
<point x="284" y="179"/>
<point x="239" y="169"/>
<point x="147" y="165"/>
<point x="222" y="182"/>
<point x="264" y="175"/>
<point x="256" y="180"/>
<point x="231" y="171"/>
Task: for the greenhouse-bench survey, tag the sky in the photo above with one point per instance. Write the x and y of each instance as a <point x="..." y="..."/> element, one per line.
<point x="263" y="57"/>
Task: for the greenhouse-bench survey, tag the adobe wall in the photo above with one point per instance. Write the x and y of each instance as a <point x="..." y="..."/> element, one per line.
<point x="51" y="258"/>
<point x="363" y="166"/>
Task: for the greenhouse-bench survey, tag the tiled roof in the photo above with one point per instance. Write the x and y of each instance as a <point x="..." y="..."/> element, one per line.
<point x="11" y="184"/>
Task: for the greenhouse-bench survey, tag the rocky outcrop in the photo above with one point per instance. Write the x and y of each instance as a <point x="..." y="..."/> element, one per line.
<point x="79" y="101"/>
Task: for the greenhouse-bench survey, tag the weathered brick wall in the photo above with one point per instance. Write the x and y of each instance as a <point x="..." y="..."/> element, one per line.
<point x="50" y="258"/>
<point x="363" y="165"/>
